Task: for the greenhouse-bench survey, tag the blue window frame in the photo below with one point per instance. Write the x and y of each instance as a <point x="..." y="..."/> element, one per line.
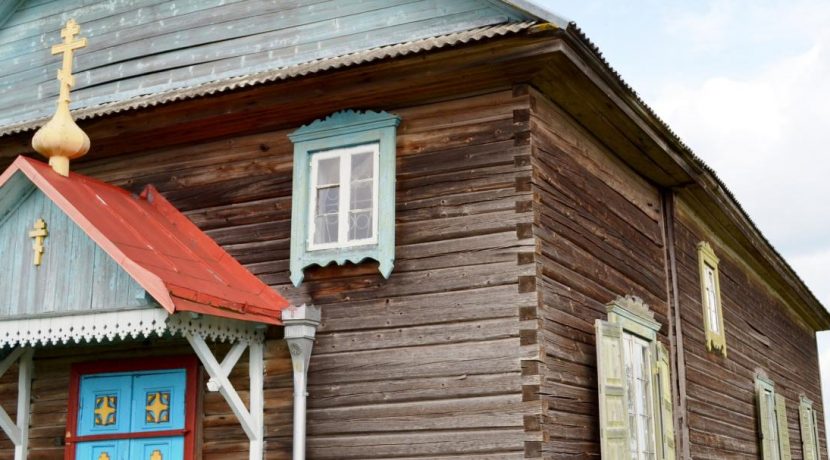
<point x="343" y="201"/>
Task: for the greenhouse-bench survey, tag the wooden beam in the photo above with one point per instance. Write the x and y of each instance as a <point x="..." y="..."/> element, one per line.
<point x="226" y="389"/>
<point x="24" y="402"/>
<point x="228" y="363"/>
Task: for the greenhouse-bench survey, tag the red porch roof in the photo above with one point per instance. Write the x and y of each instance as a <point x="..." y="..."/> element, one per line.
<point x="171" y="258"/>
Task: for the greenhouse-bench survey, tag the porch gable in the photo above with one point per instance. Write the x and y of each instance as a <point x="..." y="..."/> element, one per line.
<point x="74" y="275"/>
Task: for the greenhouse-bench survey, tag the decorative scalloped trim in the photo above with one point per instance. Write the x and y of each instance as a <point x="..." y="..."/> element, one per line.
<point x="216" y="329"/>
<point x="385" y="264"/>
<point x="120" y="325"/>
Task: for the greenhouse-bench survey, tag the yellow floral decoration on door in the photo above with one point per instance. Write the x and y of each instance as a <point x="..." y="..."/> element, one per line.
<point x="158" y="407"/>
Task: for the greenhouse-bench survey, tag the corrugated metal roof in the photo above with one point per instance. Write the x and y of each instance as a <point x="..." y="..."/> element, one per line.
<point x="687" y="151"/>
<point x="308" y="68"/>
<point x="164" y="252"/>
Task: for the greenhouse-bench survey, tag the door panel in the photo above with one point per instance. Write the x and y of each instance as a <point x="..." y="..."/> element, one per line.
<point x="159" y="401"/>
<point x="102" y="450"/>
<point x="157" y="449"/>
<point x="104" y="407"/>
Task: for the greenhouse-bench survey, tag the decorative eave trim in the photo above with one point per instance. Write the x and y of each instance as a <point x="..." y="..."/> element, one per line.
<point x="344" y="122"/>
<point x="634" y="315"/>
<point x="124" y="324"/>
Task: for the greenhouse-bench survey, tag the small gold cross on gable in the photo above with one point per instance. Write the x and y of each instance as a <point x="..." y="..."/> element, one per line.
<point x="38" y="234"/>
<point x="68" y="48"/>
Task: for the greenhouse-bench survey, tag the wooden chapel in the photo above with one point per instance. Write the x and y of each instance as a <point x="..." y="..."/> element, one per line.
<point x="375" y="229"/>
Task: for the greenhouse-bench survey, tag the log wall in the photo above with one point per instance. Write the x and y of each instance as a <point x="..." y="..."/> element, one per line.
<point x="427" y="363"/>
<point x="599" y="234"/>
<point x="762" y="333"/>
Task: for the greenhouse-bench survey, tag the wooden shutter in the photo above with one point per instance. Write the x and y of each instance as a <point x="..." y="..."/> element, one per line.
<point x="783" y="428"/>
<point x="613" y="407"/>
<point x="816" y="437"/>
<point x="808" y="441"/>
<point x="663" y="398"/>
<point x="764" y="425"/>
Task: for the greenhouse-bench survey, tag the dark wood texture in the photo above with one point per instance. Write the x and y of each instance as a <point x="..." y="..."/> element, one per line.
<point x="762" y="333"/>
<point x="599" y="235"/>
<point x="427" y="363"/>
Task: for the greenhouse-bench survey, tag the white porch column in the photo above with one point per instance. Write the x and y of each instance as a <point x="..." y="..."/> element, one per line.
<point x="18" y="431"/>
<point x="24" y="402"/>
<point x="300" y="328"/>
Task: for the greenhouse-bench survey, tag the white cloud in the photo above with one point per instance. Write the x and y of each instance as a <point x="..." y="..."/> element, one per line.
<point x="768" y="137"/>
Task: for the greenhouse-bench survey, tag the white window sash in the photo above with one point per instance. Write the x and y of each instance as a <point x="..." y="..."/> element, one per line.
<point x="344" y="204"/>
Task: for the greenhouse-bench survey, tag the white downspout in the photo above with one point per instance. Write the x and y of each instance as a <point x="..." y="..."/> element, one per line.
<point x="300" y="328"/>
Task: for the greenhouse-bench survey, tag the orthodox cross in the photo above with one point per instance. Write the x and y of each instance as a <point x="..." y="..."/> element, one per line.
<point x="38" y="234"/>
<point x="68" y="47"/>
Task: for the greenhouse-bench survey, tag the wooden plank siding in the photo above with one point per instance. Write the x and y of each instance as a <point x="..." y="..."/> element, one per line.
<point x="426" y="364"/>
<point x="147" y="46"/>
<point x="94" y="282"/>
<point x="599" y="234"/>
<point x="762" y="333"/>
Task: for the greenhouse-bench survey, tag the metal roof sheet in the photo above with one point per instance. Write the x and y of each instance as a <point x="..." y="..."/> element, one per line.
<point x="164" y="252"/>
<point x="284" y="73"/>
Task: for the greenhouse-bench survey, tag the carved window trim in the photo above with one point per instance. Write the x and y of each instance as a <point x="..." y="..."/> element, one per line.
<point x="772" y="419"/>
<point x="343" y="130"/>
<point x="715" y="331"/>
<point x="631" y="316"/>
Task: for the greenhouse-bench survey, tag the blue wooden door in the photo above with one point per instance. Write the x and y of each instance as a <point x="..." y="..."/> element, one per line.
<point x="127" y="408"/>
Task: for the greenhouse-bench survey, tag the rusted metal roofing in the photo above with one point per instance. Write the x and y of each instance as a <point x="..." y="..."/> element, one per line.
<point x="173" y="260"/>
<point x="308" y="68"/>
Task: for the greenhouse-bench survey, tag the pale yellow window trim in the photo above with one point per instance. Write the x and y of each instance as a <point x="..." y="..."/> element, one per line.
<point x="710" y="299"/>
<point x="629" y="318"/>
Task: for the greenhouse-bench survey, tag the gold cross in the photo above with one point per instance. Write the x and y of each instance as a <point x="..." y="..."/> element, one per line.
<point x="156" y="455"/>
<point x="156" y="408"/>
<point x="68" y="47"/>
<point x="105" y="410"/>
<point x="39" y="233"/>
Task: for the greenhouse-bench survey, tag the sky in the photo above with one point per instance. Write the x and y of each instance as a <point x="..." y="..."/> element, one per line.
<point x="746" y="84"/>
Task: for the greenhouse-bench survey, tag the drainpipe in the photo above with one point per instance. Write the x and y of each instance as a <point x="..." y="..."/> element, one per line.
<point x="300" y="327"/>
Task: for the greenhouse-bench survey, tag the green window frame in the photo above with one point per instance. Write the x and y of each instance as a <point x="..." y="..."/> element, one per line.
<point x="772" y="420"/>
<point x="810" y="440"/>
<point x="710" y="299"/>
<point x="631" y="321"/>
<point x="341" y="137"/>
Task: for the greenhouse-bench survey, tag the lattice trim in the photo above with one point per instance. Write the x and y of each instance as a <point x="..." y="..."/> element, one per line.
<point x="108" y="326"/>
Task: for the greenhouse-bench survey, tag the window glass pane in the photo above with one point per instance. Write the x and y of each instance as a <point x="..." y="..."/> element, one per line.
<point x="360" y="225"/>
<point x="772" y="422"/>
<point x="328" y="171"/>
<point x="639" y="398"/>
<point x="362" y="166"/>
<point x="712" y="299"/>
<point x="325" y="229"/>
<point x="361" y="195"/>
<point x="328" y="200"/>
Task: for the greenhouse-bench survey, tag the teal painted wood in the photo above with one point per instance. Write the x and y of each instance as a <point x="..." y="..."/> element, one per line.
<point x="149" y="46"/>
<point x="75" y="276"/>
<point x="7" y="8"/>
<point x="344" y="129"/>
